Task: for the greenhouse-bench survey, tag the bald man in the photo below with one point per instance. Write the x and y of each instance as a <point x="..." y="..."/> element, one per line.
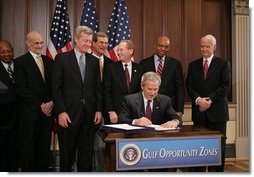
<point x="8" y="112"/>
<point x="33" y="73"/>
<point x="170" y="71"/>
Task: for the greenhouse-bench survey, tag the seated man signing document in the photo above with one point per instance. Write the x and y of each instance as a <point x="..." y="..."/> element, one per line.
<point x="148" y="107"/>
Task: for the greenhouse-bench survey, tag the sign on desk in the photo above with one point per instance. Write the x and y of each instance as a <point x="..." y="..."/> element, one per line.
<point x="151" y="153"/>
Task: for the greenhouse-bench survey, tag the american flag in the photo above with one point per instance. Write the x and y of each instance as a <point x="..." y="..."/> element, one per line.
<point x="118" y="28"/>
<point x="89" y="16"/>
<point x="60" y="35"/>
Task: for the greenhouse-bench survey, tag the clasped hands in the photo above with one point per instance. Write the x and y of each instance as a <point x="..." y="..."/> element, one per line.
<point x="204" y="103"/>
<point x="46" y="108"/>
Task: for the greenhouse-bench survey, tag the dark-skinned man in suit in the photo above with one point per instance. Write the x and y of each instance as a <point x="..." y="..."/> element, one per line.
<point x="172" y="82"/>
<point x="8" y="111"/>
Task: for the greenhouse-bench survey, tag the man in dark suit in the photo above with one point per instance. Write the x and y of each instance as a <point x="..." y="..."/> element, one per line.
<point x="208" y="83"/>
<point x="135" y="106"/>
<point x="8" y="112"/>
<point x="100" y="45"/>
<point x="77" y="97"/>
<point x="170" y="71"/>
<point x="116" y="85"/>
<point x="33" y="74"/>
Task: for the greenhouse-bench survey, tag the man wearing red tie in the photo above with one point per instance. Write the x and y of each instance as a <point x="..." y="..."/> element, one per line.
<point x="208" y="84"/>
<point x="170" y="71"/>
<point x="120" y="78"/>
<point x="148" y="107"/>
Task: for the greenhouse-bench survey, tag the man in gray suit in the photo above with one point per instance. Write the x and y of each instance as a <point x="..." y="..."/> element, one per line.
<point x="77" y="96"/>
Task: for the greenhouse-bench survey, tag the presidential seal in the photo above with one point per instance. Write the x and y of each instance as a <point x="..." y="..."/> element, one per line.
<point x="130" y="154"/>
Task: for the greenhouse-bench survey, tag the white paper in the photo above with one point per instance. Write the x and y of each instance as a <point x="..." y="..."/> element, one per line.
<point x="124" y="126"/>
<point x="160" y="128"/>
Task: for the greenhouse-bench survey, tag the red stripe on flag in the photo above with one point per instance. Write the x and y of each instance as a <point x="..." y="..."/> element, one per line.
<point x="113" y="55"/>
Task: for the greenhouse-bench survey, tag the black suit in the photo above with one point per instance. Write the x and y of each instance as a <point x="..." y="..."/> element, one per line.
<point x="3" y="88"/>
<point x="35" y="127"/>
<point x="107" y="62"/>
<point x="80" y="100"/>
<point x="115" y="87"/>
<point x="172" y="82"/>
<point x="99" y="145"/>
<point x="8" y="125"/>
<point x="133" y="108"/>
<point x="216" y="86"/>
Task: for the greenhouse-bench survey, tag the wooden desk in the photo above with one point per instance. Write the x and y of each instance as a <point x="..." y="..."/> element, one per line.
<point x="109" y="137"/>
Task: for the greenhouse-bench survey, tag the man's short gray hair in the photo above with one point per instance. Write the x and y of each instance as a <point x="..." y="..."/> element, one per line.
<point x="83" y="29"/>
<point x="211" y="38"/>
<point x="150" y="76"/>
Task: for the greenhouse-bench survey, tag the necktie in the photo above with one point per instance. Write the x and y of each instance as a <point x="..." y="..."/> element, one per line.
<point x="82" y="66"/>
<point x="159" y="68"/>
<point x="127" y="76"/>
<point x="205" y="68"/>
<point x="101" y="67"/>
<point x="40" y="66"/>
<point x="148" y="110"/>
<point x="10" y="72"/>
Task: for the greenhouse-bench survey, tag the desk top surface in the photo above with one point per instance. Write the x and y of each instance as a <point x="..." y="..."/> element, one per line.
<point x="186" y="130"/>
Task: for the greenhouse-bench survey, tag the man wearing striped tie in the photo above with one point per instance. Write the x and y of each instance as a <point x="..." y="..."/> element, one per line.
<point x="8" y="111"/>
<point x="170" y="71"/>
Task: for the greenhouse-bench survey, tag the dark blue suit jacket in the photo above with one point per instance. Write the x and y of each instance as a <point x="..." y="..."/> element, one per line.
<point x="8" y="101"/>
<point x="172" y="82"/>
<point x="133" y="108"/>
<point x="115" y="87"/>
<point x="31" y="88"/>
<point x="216" y="86"/>
<point x="69" y="91"/>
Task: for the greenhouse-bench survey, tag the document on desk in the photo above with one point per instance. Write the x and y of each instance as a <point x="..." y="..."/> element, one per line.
<point x="124" y="126"/>
<point x="160" y="128"/>
<point x="127" y="129"/>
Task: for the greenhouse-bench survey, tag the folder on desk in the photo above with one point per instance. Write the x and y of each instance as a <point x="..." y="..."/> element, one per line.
<point x="127" y="129"/>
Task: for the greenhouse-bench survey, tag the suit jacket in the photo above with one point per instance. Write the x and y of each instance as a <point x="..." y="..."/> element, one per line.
<point x="31" y="88"/>
<point x="172" y="82"/>
<point x="70" y="93"/>
<point x="107" y="61"/>
<point x="3" y="88"/>
<point x="115" y="87"/>
<point x="216" y="86"/>
<point x="10" y="94"/>
<point x="8" y="101"/>
<point x="133" y="108"/>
